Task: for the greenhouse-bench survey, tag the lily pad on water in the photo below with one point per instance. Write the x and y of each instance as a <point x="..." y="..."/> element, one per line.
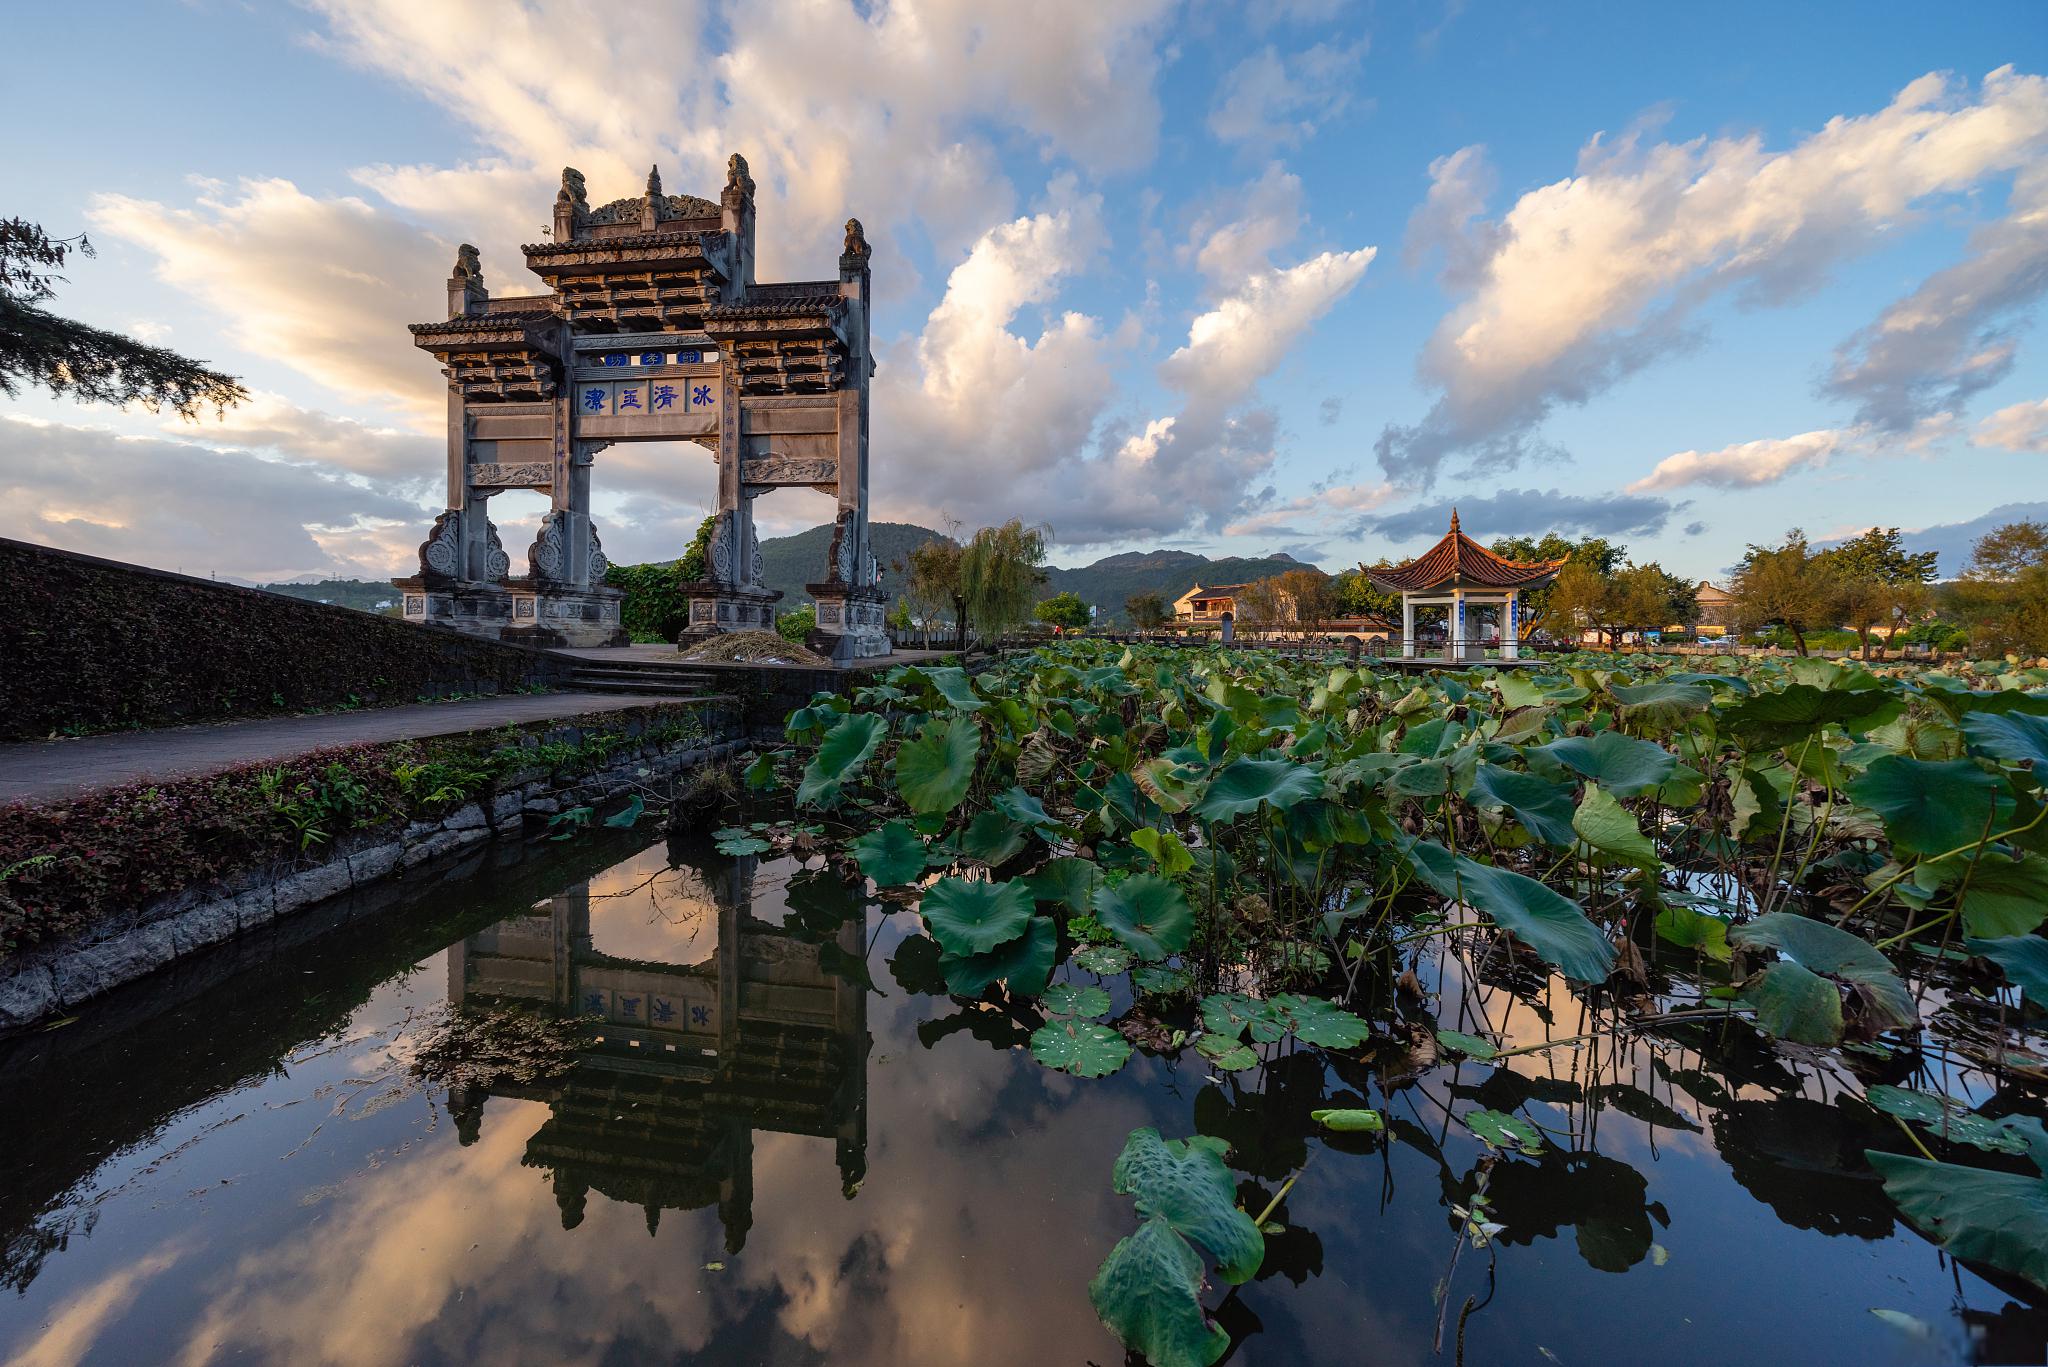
<point x="1082" y="1048"/>
<point x="891" y="854"/>
<point x="1160" y="980"/>
<point x="1227" y="1053"/>
<point x="1149" y="914"/>
<point x="1229" y="1014"/>
<point x="1350" y="1121"/>
<point x="1948" y="1119"/>
<point x="1470" y="1045"/>
<point x="740" y="846"/>
<point x="1499" y="1130"/>
<point x="934" y="769"/>
<point x="1069" y="999"/>
<point x="1107" y="960"/>
<point x="1315" y="1021"/>
<point x="971" y="917"/>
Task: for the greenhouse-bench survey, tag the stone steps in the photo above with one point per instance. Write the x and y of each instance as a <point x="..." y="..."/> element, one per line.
<point x="640" y="676"/>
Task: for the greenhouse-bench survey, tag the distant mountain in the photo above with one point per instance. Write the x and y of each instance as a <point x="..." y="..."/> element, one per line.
<point x="370" y="595"/>
<point x="790" y="562"/>
<point x="1109" y="581"/>
<point x="1953" y="540"/>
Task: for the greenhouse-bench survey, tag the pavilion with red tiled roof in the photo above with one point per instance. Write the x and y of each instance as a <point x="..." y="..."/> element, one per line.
<point x="1458" y="573"/>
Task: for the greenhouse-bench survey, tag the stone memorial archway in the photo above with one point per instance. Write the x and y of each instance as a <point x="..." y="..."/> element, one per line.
<point x="653" y="329"/>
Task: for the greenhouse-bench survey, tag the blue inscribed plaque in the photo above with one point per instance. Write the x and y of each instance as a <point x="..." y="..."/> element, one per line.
<point x="615" y="358"/>
<point x="689" y="357"/>
<point x="650" y="358"/>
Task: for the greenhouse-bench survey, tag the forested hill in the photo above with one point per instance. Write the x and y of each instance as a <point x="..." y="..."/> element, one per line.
<point x="790" y="562"/>
<point x="370" y="595"/>
<point x="1109" y="581"/>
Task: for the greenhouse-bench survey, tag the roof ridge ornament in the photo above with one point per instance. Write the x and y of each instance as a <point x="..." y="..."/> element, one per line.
<point x="736" y="177"/>
<point x="654" y="184"/>
<point x="1454" y="519"/>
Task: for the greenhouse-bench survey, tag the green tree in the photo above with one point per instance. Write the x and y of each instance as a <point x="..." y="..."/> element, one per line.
<point x="1000" y="576"/>
<point x="1356" y="596"/>
<point x="2005" y="553"/>
<point x="1309" y="597"/>
<point x="696" y="560"/>
<point x="1877" y="555"/>
<point x="1645" y="598"/>
<point x="796" y="626"/>
<point x="1147" y="611"/>
<point x="1595" y="552"/>
<point x="89" y="364"/>
<point x="1786" y="586"/>
<point x="1577" y="600"/>
<point x="1064" y="610"/>
<point x="2003" y="593"/>
<point x="934" y="584"/>
<point x="1260" y="606"/>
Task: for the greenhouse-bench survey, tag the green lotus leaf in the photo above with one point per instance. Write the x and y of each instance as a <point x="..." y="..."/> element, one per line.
<point x="1228" y="1014"/>
<point x="1948" y="1119"/>
<point x="1499" y="1130"/>
<point x="1551" y="924"/>
<point x="2024" y="959"/>
<point x="839" y="758"/>
<point x="1691" y="929"/>
<point x="1611" y="829"/>
<point x="1068" y="999"/>
<point x="1227" y="1054"/>
<point x="1315" y="1021"/>
<point x="1148" y="1291"/>
<point x="2005" y="897"/>
<point x="1930" y="806"/>
<point x="1172" y="786"/>
<point x="1244" y="785"/>
<point x="1160" y="981"/>
<point x="1149" y="914"/>
<point x="891" y="854"/>
<point x="1431" y="778"/>
<point x="2012" y="736"/>
<point x="1349" y="1120"/>
<point x="1545" y="808"/>
<point x="973" y="917"/>
<point x="1470" y="1045"/>
<point x="740" y="846"/>
<point x="1999" y="1219"/>
<point x="1516" y="689"/>
<point x="1166" y="849"/>
<point x="1027" y="811"/>
<point x="956" y="688"/>
<point x="1024" y="963"/>
<point x="935" y="768"/>
<point x="1185" y="1182"/>
<point x="1624" y="765"/>
<point x="1793" y="1003"/>
<point x="1082" y="1048"/>
<point x="1768" y="721"/>
<point x="992" y="838"/>
<point x="1660" y="704"/>
<point x="760" y="774"/>
<point x="1107" y="960"/>
<point x="1826" y="949"/>
<point x="1068" y="881"/>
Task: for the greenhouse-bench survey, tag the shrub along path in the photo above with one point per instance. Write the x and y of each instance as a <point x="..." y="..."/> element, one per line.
<point x="44" y="771"/>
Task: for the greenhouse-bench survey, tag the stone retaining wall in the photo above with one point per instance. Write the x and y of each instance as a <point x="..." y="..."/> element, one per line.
<point x="49" y="980"/>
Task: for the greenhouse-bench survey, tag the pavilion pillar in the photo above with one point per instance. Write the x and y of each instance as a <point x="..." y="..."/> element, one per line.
<point x="1457" y="632"/>
<point x="1407" y="627"/>
<point x="1511" y="627"/>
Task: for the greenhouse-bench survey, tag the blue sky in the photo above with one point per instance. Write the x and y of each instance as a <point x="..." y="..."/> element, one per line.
<point x="1226" y="277"/>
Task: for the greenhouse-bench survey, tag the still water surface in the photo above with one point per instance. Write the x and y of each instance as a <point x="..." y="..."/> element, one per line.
<point x="759" y="1160"/>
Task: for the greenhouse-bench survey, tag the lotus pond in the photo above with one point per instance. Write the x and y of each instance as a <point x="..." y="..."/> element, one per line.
<point x="1195" y="1006"/>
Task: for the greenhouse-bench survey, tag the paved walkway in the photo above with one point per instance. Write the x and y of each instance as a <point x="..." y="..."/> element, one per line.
<point x="46" y="770"/>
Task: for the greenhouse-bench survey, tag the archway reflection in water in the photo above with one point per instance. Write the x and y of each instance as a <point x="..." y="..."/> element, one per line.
<point x="757" y="1159"/>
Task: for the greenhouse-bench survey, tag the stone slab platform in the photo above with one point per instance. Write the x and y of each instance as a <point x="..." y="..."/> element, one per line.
<point x="44" y="771"/>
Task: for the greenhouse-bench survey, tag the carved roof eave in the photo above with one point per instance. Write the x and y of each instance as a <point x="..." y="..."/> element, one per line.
<point x="488" y="332"/>
<point x="815" y="317"/>
<point x="1459" y="562"/>
<point x="596" y="256"/>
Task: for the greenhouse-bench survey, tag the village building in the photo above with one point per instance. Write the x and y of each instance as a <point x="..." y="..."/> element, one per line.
<point x="1717" y="609"/>
<point x="1208" y="606"/>
<point x="653" y="328"/>
<point x="1466" y="580"/>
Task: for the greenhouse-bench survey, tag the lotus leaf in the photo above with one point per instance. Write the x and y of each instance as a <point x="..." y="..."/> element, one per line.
<point x="1349" y="1120"/>
<point x="839" y="758"/>
<point x="2024" y="959"/>
<point x="1996" y="1218"/>
<point x="1545" y="808"/>
<point x="1315" y="1021"/>
<point x="1227" y="1054"/>
<point x="1470" y="1045"/>
<point x="1167" y="850"/>
<point x="1928" y="806"/>
<point x="1793" y="1003"/>
<point x="935" y="768"/>
<point x="743" y="845"/>
<point x="2012" y="736"/>
<point x="1768" y="721"/>
<point x="1148" y="1291"/>
<point x="1243" y="785"/>
<point x="973" y="917"/>
<point x="1082" y="1048"/>
<point x="1546" y="921"/>
<point x="1068" y="881"/>
<point x="1947" y="1118"/>
<point x="891" y="854"/>
<point x="2005" y="897"/>
<point x="1106" y="960"/>
<point x="1026" y="810"/>
<point x="1499" y="1130"/>
<point x="1149" y="914"/>
<point x="956" y="688"/>
<point x="1024" y="963"/>
<point x="1624" y="765"/>
<point x="1611" y="829"/>
<point x="992" y="838"/>
<point x="1068" y="999"/>
<point x="1826" y="949"/>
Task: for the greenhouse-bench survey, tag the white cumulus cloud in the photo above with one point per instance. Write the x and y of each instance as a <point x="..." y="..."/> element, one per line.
<point x="2016" y="427"/>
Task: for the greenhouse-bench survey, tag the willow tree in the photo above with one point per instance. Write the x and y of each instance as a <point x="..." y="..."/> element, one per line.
<point x="87" y="363"/>
<point x="1000" y="576"/>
